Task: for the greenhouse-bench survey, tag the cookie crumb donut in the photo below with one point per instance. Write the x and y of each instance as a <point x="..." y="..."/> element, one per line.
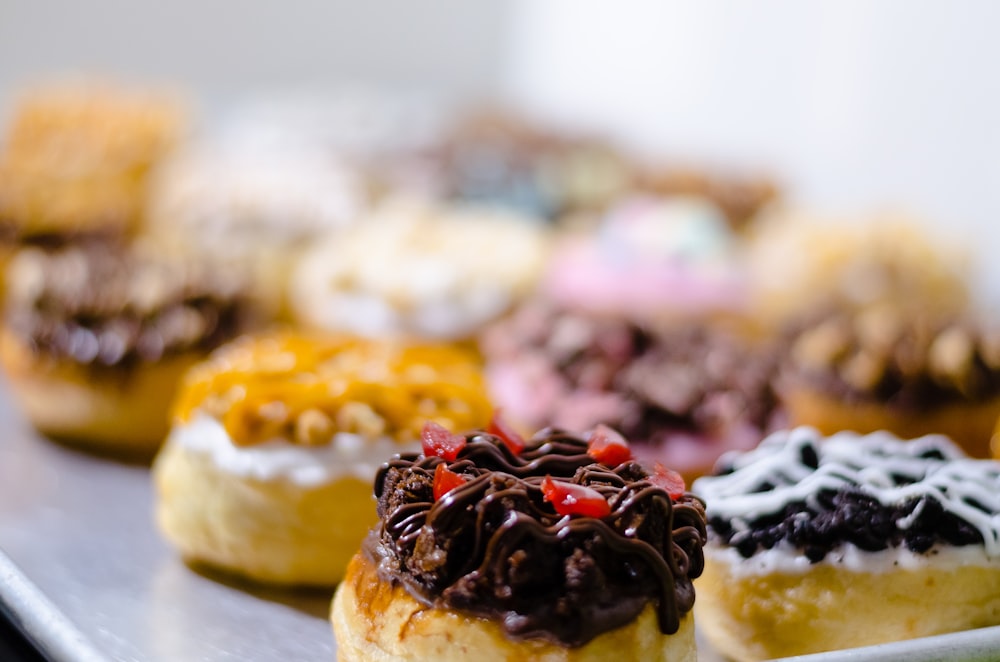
<point x="275" y="441"/>
<point x="559" y="548"/>
<point x="96" y="338"/>
<point x="817" y="544"/>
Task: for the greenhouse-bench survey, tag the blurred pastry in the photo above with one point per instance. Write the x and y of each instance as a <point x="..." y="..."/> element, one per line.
<point x="276" y="439"/>
<point x="741" y="198"/>
<point x="518" y="551"/>
<point x="799" y="265"/>
<point x="821" y="544"/>
<point x="651" y="258"/>
<point x="684" y="394"/>
<point x="896" y="368"/>
<point x="97" y="336"/>
<point x="76" y="157"/>
<point x="493" y="157"/>
<point x="252" y="209"/>
<point x="419" y="270"/>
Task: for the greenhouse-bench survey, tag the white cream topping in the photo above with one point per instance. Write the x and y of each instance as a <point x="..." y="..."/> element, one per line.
<point x="419" y="271"/>
<point x="347" y="454"/>
<point x="775" y="474"/>
<point x="787" y="560"/>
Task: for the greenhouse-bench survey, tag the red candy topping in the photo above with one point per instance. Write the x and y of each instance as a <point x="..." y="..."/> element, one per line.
<point x="510" y="438"/>
<point x="445" y="480"/>
<point x="573" y="499"/>
<point x="669" y="480"/>
<point x="439" y="442"/>
<point x="608" y="447"/>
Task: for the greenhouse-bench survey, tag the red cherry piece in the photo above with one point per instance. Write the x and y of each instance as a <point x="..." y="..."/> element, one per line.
<point x="573" y="499"/>
<point x="437" y="441"/>
<point x="608" y="447"/>
<point x="445" y="480"/>
<point x="508" y="435"/>
<point x="669" y="480"/>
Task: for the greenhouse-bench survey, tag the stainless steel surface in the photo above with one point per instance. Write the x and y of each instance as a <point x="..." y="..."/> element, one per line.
<point x="94" y="580"/>
<point x="79" y="528"/>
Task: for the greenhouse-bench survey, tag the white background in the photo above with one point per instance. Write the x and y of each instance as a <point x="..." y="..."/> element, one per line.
<point x="857" y="105"/>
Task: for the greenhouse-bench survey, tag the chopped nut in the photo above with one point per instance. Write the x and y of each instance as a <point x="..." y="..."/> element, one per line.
<point x="989" y="347"/>
<point x="313" y="428"/>
<point x="863" y="371"/>
<point x="951" y="355"/>
<point x="822" y="346"/>
<point x="878" y="327"/>
<point x="360" y="418"/>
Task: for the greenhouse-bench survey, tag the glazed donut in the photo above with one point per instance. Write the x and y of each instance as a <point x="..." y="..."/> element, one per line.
<point x="96" y="338"/>
<point x="561" y="548"/>
<point x="267" y="470"/>
<point x="818" y="544"/>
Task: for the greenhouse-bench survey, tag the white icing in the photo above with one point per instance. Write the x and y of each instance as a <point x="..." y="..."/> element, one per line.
<point x="346" y="455"/>
<point x="787" y="560"/>
<point x="881" y="465"/>
<point x="417" y="271"/>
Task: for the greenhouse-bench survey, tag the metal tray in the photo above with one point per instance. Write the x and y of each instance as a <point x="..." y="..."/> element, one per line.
<point x="86" y="576"/>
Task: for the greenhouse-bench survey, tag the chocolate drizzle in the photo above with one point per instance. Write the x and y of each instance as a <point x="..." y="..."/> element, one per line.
<point x="493" y="546"/>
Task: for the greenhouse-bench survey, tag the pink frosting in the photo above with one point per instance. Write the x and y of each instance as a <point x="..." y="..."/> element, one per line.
<point x="585" y="276"/>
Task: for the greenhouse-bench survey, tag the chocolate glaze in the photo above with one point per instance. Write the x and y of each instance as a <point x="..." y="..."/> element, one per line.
<point x="104" y="306"/>
<point x="493" y="547"/>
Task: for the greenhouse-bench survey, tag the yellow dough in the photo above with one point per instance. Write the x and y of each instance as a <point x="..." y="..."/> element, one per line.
<point x="127" y="415"/>
<point x="273" y="531"/>
<point x="762" y="616"/>
<point x="968" y="424"/>
<point x="374" y="620"/>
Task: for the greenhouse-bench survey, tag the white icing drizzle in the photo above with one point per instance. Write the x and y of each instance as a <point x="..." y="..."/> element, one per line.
<point x="346" y="455"/>
<point x="882" y="466"/>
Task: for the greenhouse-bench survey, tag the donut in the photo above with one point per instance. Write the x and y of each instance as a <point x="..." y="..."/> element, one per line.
<point x="799" y="263"/>
<point x="891" y="367"/>
<point x="77" y="156"/>
<point x="816" y="544"/>
<point x="650" y="258"/>
<point x="97" y="336"/>
<point x="253" y="209"/>
<point x="558" y="548"/>
<point x="549" y="365"/>
<point x="267" y="471"/>
<point x="419" y="270"/>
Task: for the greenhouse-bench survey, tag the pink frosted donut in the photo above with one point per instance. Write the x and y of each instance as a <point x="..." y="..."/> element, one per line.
<point x="650" y="257"/>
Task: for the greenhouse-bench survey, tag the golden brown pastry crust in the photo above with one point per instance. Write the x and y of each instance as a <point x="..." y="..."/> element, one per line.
<point x="376" y="620"/>
<point x="272" y="531"/>
<point x="758" y="617"/>
<point x="969" y="424"/>
<point x="126" y="415"/>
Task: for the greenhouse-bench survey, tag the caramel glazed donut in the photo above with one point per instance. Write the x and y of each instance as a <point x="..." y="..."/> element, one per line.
<point x="818" y="544"/>
<point x="493" y="548"/>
